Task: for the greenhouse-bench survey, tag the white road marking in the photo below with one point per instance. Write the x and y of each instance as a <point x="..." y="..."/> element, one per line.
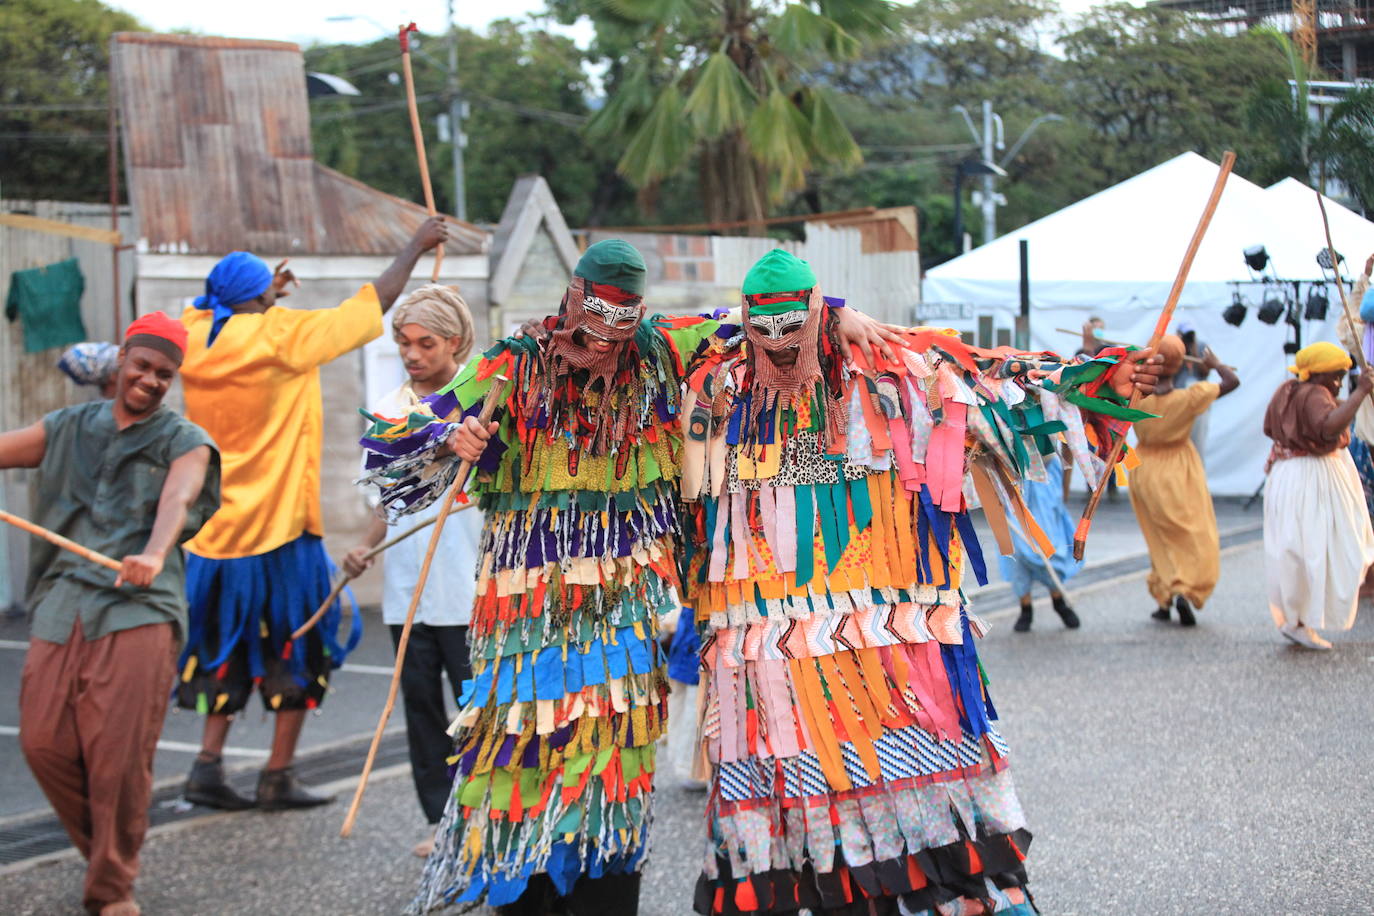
<point x="368" y="669"/>
<point x="13" y="644"/>
<point x="184" y="746"/>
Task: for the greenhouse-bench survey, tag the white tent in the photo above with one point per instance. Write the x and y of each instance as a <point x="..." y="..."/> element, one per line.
<point x="1115" y="254"/>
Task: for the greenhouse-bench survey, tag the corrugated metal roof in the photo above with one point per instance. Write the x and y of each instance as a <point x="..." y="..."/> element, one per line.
<point x="217" y="155"/>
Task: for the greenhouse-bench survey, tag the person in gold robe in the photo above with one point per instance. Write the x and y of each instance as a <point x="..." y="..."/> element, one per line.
<point x="1169" y="488"/>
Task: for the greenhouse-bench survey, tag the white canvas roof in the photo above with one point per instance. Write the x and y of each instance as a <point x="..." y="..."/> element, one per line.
<point x="1115" y="254"/>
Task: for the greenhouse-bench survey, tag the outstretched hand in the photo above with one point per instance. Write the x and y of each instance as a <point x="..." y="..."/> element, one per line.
<point x="871" y="336"/>
<point x="283" y="277"/>
<point x="1137" y="373"/>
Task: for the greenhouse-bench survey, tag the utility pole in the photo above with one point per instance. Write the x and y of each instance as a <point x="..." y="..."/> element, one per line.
<point x="455" y="120"/>
<point x="991" y="140"/>
<point x="990" y="197"/>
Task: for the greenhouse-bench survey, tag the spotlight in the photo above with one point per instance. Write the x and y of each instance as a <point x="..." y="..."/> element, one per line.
<point x="1256" y="258"/>
<point x="1271" y="311"/>
<point x="1317" y="304"/>
<point x="1324" y="259"/>
<point x="1234" y="313"/>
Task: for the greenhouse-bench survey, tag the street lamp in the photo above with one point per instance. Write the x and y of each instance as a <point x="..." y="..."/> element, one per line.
<point x="964" y="168"/>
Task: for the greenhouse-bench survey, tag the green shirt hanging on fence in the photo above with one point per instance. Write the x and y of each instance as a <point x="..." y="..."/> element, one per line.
<point x="48" y="299"/>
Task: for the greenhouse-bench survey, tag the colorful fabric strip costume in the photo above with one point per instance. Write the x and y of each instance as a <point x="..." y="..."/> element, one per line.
<point x="555" y="738"/>
<point x="851" y="739"/>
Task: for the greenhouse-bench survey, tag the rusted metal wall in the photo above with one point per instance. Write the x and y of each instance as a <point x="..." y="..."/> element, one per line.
<point x="30" y="383"/>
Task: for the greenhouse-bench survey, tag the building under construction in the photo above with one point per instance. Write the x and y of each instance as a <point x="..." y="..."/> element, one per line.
<point x="1337" y="35"/>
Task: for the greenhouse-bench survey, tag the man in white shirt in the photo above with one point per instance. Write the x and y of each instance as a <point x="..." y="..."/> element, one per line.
<point x="433" y="330"/>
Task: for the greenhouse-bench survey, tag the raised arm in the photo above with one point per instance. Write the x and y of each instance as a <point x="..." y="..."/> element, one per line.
<point x="1229" y="380"/>
<point x="185" y="479"/>
<point x="432" y="232"/>
<point x="1344" y="414"/>
<point x="23" y="448"/>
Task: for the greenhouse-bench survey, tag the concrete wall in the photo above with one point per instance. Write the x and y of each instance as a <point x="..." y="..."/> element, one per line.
<point x="346" y="383"/>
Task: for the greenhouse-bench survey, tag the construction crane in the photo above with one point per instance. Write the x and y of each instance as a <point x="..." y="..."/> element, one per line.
<point x="1305" y="31"/>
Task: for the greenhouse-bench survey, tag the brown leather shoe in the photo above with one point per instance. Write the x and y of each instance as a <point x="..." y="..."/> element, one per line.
<point x="279" y="790"/>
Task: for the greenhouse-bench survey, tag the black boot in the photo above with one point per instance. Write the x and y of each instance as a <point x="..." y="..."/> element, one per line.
<point x="1023" y="623"/>
<point x="278" y="790"/>
<point x="1185" y="612"/>
<point x="1066" y="613"/>
<point x="206" y="786"/>
<point x="1161" y="613"/>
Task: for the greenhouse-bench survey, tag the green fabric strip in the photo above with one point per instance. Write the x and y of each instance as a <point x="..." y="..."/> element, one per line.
<point x="806" y="533"/>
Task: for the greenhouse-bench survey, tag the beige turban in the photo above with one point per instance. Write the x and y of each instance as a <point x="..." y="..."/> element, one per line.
<point x="439" y="309"/>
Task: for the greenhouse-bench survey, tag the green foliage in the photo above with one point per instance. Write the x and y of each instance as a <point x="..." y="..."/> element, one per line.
<point x="54" y="92"/>
<point x="1346" y="145"/>
<point x="528" y="98"/>
<point x="755" y="124"/>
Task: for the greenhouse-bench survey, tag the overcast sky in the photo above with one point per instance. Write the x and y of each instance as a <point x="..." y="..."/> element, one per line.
<point x="307" y="21"/>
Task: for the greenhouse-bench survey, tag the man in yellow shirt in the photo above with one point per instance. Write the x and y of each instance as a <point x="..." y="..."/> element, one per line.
<point x="258" y="568"/>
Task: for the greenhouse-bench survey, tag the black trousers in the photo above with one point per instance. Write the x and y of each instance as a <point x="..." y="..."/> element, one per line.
<point x="430" y="652"/>
<point x="609" y="895"/>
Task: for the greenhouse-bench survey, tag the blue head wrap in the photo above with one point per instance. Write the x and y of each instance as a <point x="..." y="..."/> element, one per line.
<point x="1367" y="307"/>
<point x="238" y="277"/>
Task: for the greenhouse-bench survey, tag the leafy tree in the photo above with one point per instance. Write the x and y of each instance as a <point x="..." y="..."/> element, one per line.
<point x="1151" y="82"/>
<point x="726" y="85"/>
<point x="1346" y="145"/>
<point x="54" y="92"/>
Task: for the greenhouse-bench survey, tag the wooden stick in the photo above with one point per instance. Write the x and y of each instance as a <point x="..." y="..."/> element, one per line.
<point x="1228" y="161"/>
<point x="345" y="578"/>
<point x="419" y="140"/>
<point x="1117" y="343"/>
<point x="1340" y="287"/>
<point x="494" y="397"/>
<point x="59" y="540"/>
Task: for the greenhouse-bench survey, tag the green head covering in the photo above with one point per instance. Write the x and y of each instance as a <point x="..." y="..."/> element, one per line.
<point x="614" y="262"/>
<point x="778" y="272"/>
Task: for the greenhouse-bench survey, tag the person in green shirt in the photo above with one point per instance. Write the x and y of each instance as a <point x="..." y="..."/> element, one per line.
<point x="127" y="478"/>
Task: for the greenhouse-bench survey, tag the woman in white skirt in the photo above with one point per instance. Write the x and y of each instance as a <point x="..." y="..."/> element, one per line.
<point x="1318" y="542"/>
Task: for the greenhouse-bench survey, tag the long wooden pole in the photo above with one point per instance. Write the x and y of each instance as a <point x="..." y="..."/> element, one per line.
<point x="419" y="139"/>
<point x="1228" y="161"/>
<point x="59" y="540"/>
<point x="494" y="397"/>
<point x="1340" y="285"/>
<point x="345" y="578"/>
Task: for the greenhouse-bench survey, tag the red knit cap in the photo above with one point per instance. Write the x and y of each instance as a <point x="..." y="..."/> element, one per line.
<point x="160" y="332"/>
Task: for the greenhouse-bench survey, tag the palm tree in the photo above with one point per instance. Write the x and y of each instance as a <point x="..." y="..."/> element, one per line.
<point x="1346" y="145"/>
<point x="729" y="85"/>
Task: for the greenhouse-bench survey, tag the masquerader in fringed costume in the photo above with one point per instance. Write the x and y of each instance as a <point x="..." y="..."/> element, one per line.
<point x="555" y="741"/>
<point x="854" y="761"/>
<point x="1027" y="565"/>
<point x="1318" y="543"/>
<point x="258" y="568"/>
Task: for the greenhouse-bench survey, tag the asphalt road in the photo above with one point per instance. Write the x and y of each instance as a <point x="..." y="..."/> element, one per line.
<point x="1164" y="771"/>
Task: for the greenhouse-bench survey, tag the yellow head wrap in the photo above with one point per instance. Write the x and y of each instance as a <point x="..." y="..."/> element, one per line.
<point x="1320" y="357"/>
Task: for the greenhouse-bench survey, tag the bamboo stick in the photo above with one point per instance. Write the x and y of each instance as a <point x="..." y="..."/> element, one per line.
<point x="60" y="541"/>
<point x="1340" y="285"/>
<point x="494" y="397"/>
<point x="344" y="578"/>
<point x="419" y="140"/>
<point x="1228" y="161"/>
